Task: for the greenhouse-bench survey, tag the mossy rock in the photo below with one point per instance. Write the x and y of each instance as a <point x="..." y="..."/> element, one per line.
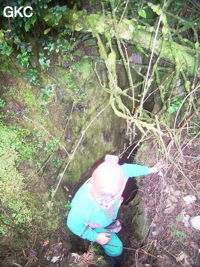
<point x="147" y="154"/>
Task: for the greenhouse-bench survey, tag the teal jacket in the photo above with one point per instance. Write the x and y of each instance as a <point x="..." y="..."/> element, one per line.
<point x="84" y="208"/>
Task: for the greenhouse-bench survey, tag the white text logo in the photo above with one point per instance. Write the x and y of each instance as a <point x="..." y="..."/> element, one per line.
<point x="13" y="12"/>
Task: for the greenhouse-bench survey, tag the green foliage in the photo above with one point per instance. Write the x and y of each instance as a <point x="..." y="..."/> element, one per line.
<point x="29" y="23"/>
<point x="70" y="78"/>
<point x="15" y="199"/>
<point x="1" y="36"/>
<point x="44" y="62"/>
<point x="8" y="114"/>
<point x="178" y="234"/>
<point x="24" y="209"/>
<point x="32" y="75"/>
<point x="55" y="13"/>
<point x="177" y="5"/>
<point x="60" y="45"/>
<point x="14" y="138"/>
<point x="14" y="39"/>
<point x="174" y="106"/>
<point x="68" y="205"/>
<point x="24" y="59"/>
<point x="97" y="249"/>
<point x="141" y="13"/>
<point x="50" y="146"/>
<point x="5" y="49"/>
<point x="25" y="55"/>
<point x="2" y="103"/>
<point x="47" y="93"/>
<point x="56" y="162"/>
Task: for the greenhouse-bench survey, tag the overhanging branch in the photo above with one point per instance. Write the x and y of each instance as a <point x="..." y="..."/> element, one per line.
<point x="131" y="32"/>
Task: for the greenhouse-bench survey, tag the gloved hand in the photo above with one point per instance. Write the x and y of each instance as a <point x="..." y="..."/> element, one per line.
<point x="103" y="238"/>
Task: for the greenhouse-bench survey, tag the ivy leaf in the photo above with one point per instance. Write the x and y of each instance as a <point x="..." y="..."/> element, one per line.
<point x="46" y="18"/>
<point x="5" y="49"/>
<point x="47" y="31"/>
<point x="33" y="20"/>
<point x="142" y="13"/>
<point x="1" y="36"/>
<point x="30" y="22"/>
<point x="27" y="26"/>
<point x="178" y="5"/>
<point x="156" y="8"/>
<point x="196" y="45"/>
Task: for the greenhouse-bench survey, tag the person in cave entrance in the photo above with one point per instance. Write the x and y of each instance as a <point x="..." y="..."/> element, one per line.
<point x="94" y="208"/>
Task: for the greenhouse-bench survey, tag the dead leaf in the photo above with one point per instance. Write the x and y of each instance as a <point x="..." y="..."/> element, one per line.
<point x="184" y="259"/>
<point x="168" y="209"/>
<point x="194" y="245"/>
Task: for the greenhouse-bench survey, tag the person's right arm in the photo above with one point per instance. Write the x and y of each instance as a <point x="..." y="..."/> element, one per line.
<point x="77" y="224"/>
<point x="132" y="170"/>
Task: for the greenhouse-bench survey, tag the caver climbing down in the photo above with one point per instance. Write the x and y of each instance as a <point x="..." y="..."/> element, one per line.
<point x="95" y="205"/>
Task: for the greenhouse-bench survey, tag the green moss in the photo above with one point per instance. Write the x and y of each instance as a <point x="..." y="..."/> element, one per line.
<point x="95" y="143"/>
<point x="50" y="119"/>
<point x="84" y="68"/>
<point x="91" y="42"/>
<point x="28" y="98"/>
<point x="141" y="223"/>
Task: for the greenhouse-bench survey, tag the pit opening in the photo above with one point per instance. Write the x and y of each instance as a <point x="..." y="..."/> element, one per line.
<point x="130" y="206"/>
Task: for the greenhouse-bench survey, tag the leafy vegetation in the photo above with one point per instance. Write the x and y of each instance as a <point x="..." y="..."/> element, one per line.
<point x="24" y="200"/>
<point x="14" y="34"/>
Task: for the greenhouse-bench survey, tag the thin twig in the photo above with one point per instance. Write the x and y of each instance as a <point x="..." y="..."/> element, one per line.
<point x="122" y="16"/>
<point x="149" y="67"/>
<point x="69" y="118"/>
<point x="130" y="77"/>
<point x="195" y="89"/>
<point x="140" y="250"/>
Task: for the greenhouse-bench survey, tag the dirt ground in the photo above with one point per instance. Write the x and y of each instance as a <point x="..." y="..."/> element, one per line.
<point x="171" y="198"/>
